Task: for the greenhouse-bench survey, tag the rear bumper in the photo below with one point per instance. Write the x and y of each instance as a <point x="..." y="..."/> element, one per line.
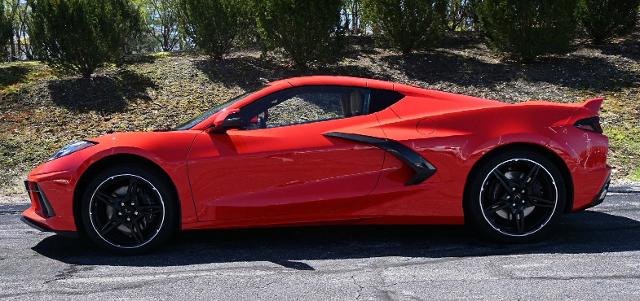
<point x="596" y="197"/>
<point x="602" y="194"/>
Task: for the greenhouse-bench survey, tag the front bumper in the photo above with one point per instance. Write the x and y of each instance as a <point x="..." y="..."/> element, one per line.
<point x="30" y="220"/>
<point x="51" y="196"/>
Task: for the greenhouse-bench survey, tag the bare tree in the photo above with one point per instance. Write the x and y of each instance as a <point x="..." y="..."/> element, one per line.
<point x="17" y="12"/>
<point x="353" y="14"/>
<point x="24" y="17"/>
<point x="11" y="12"/>
<point x="162" y="18"/>
<point x="460" y="15"/>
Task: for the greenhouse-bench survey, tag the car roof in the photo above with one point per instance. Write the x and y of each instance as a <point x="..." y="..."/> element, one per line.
<point x="351" y="82"/>
<point x="327" y="80"/>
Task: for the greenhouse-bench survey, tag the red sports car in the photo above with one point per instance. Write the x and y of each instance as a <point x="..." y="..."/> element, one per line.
<point x="330" y="150"/>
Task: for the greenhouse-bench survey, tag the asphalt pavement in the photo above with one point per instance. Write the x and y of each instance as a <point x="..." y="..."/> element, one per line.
<point x="594" y="255"/>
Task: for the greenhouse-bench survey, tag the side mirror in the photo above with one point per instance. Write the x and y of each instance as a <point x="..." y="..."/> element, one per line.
<point x="227" y="120"/>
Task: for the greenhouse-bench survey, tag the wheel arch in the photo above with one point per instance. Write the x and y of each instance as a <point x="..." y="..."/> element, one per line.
<point x="548" y="153"/>
<point x="111" y="160"/>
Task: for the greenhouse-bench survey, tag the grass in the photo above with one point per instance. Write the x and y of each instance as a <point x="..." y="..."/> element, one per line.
<point x="621" y="123"/>
<point x="16" y="75"/>
<point x="40" y="112"/>
<point x="635" y="175"/>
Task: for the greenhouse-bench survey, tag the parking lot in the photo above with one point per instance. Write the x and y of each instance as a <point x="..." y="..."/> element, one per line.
<point x="595" y="255"/>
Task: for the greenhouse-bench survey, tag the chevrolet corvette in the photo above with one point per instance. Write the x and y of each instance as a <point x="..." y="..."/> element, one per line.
<point x="323" y="150"/>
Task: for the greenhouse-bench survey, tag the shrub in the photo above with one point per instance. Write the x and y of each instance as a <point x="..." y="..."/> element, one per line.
<point x="307" y="31"/>
<point x="527" y="28"/>
<point x="407" y="24"/>
<point x="212" y="24"/>
<point x="78" y="36"/>
<point x="604" y="19"/>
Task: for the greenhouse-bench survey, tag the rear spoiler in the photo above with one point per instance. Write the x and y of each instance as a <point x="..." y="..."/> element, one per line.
<point x="589" y="119"/>
<point x="593" y="105"/>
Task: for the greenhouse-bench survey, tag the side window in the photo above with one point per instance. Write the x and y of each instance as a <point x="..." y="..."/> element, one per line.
<point x="306" y="107"/>
<point x="382" y="99"/>
<point x="306" y="104"/>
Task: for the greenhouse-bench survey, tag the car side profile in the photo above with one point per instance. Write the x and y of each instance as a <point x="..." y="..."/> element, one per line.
<point x="330" y="150"/>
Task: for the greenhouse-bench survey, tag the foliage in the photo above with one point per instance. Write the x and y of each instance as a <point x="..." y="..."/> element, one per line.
<point x="212" y="24"/>
<point x="604" y="19"/>
<point x="307" y="31"/>
<point x="528" y="28"/>
<point x="407" y="24"/>
<point x="6" y="29"/>
<point x="78" y="36"/>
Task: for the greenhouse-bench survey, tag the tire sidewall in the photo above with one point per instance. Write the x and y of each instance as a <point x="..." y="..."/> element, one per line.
<point x="168" y="197"/>
<point x="473" y="208"/>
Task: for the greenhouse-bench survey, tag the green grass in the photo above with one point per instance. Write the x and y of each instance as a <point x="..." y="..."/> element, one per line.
<point x="624" y="145"/>
<point x="16" y="75"/>
<point x="621" y="123"/>
<point x="635" y="175"/>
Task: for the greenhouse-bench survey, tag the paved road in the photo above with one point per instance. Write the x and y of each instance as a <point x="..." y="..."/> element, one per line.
<point x="594" y="256"/>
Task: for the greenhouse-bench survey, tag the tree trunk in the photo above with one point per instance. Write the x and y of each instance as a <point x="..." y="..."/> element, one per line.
<point x="12" y="49"/>
<point x="355" y="19"/>
<point x="18" y="44"/>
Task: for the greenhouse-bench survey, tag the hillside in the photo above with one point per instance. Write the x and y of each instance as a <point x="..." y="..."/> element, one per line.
<point x="41" y="112"/>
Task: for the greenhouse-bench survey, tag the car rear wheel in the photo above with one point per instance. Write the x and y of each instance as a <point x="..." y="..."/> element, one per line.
<point x="516" y="196"/>
<point x="128" y="210"/>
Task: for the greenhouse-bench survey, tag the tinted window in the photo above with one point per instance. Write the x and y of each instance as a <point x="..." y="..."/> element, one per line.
<point x="382" y="99"/>
<point x="306" y="104"/>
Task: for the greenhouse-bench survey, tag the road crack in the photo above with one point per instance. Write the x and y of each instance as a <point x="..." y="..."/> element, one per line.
<point x="68" y="272"/>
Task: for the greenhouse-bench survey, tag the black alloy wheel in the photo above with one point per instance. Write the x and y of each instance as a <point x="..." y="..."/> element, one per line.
<point x="517" y="196"/>
<point x="128" y="210"/>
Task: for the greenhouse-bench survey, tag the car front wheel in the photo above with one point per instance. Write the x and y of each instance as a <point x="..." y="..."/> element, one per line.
<point x="128" y="210"/>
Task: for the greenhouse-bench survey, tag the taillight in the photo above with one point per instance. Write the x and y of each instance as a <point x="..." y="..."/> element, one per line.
<point x="589" y="124"/>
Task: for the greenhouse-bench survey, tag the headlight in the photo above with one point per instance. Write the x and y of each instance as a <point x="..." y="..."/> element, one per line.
<point x="72" y="148"/>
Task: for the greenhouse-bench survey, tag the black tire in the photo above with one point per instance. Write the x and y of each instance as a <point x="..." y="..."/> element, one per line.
<point x="525" y="212"/>
<point x="127" y="220"/>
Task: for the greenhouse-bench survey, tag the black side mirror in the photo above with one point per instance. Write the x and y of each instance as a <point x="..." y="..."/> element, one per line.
<point x="232" y="121"/>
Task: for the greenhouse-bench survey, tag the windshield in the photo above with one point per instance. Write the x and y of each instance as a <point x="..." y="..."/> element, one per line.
<point x="191" y="123"/>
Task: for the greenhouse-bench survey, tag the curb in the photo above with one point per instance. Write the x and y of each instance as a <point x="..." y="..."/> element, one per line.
<point x="625" y="188"/>
<point x="12" y="209"/>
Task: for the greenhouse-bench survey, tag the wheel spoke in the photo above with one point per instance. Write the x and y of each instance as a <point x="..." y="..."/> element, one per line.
<point x="132" y="189"/>
<point x="110" y="225"/>
<point x="105" y="198"/>
<point x="540" y="202"/>
<point x="150" y="212"/>
<point x="533" y="173"/>
<point x="504" y="182"/>
<point x="497" y="207"/>
<point x="519" y="219"/>
<point x="149" y="209"/>
<point x="137" y="233"/>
